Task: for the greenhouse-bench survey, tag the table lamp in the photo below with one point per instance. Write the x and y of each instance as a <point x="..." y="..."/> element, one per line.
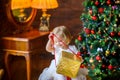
<point x="44" y="5"/>
<point x="18" y="7"/>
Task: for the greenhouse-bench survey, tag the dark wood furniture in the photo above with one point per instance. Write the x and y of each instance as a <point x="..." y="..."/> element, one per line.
<point x="24" y="44"/>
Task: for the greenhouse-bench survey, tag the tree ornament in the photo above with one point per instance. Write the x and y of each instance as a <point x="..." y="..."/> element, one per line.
<point x="115" y="25"/>
<point x="79" y="38"/>
<point x="99" y="50"/>
<point x="94" y="17"/>
<point x="104" y="19"/>
<point x="101" y="10"/>
<point x="96" y="3"/>
<point x="90" y="11"/>
<point x="119" y="33"/>
<point x="119" y="45"/>
<point x="112" y="34"/>
<point x="91" y="60"/>
<point x="108" y="2"/>
<point x="103" y="66"/>
<point x="93" y="31"/>
<point x="87" y="30"/>
<point x="107" y="52"/>
<point x="114" y="7"/>
<point x="110" y="67"/>
<point x="116" y="20"/>
<point x="82" y="66"/>
<point x="117" y="2"/>
<point x="98" y="58"/>
<point x="79" y="53"/>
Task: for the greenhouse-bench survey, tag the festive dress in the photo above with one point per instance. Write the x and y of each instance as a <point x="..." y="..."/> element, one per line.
<point x="50" y="73"/>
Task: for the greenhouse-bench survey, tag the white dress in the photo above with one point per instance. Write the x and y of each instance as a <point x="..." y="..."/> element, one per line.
<point x="50" y="72"/>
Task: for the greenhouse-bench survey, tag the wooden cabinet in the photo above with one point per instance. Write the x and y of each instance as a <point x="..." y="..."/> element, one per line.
<point x="24" y="44"/>
<point x="27" y="41"/>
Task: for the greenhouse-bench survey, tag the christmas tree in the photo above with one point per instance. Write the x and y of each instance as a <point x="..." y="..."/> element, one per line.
<point x="99" y="41"/>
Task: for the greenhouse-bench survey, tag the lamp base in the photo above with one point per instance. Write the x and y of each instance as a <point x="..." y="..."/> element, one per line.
<point x="44" y="25"/>
<point x="44" y="28"/>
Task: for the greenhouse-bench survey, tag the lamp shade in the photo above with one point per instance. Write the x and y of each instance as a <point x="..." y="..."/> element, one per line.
<point x="18" y="4"/>
<point x="44" y="4"/>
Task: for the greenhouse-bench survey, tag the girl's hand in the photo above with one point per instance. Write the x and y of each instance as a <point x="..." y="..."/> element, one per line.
<point x="51" y="39"/>
<point x="50" y="43"/>
<point x="51" y="36"/>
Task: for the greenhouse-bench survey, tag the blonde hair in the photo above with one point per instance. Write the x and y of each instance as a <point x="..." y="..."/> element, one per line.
<point x="63" y="32"/>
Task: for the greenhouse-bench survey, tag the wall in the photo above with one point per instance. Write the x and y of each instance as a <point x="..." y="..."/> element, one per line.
<point x="68" y="14"/>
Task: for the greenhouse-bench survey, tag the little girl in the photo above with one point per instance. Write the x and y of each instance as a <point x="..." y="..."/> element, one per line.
<point x="55" y="46"/>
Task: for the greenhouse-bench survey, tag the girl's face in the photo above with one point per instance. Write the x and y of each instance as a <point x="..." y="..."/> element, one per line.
<point x="56" y="40"/>
<point x="60" y="43"/>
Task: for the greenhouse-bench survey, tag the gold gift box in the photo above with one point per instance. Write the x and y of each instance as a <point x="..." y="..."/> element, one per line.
<point x="69" y="64"/>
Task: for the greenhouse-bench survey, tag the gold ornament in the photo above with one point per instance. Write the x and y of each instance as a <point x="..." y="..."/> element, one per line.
<point x="105" y="29"/>
<point x="99" y="61"/>
<point x="91" y="60"/>
<point x="104" y="19"/>
<point x="107" y="52"/>
<point x="115" y="25"/>
<point x="117" y="2"/>
<point x="116" y="19"/>
<point x="118" y="45"/>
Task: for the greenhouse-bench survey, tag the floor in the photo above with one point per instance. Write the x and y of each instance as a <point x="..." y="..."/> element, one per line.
<point x="18" y="66"/>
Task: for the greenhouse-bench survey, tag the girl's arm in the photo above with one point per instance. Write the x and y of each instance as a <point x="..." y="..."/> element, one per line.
<point x="49" y="46"/>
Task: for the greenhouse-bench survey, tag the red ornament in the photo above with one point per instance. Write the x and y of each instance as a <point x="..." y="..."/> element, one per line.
<point x="112" y="34"/>
<point x="90" y="11"/>
<point x="110" y="67"/>
<point x="82" y="66"/>
<point x="100" y="10"/>
<point x="103" y="66"/>
<point x="79" y="38"/>
<point x="98" y="58"/>
<point x="79" y="53"/>
<point x="96" y="3"/>
<point x="108" y="2"/>
<point x="88" y="31"/>
<point x="119" y="33"/>
<point x="92" y="31"/>
<point x="94" y="17"/>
